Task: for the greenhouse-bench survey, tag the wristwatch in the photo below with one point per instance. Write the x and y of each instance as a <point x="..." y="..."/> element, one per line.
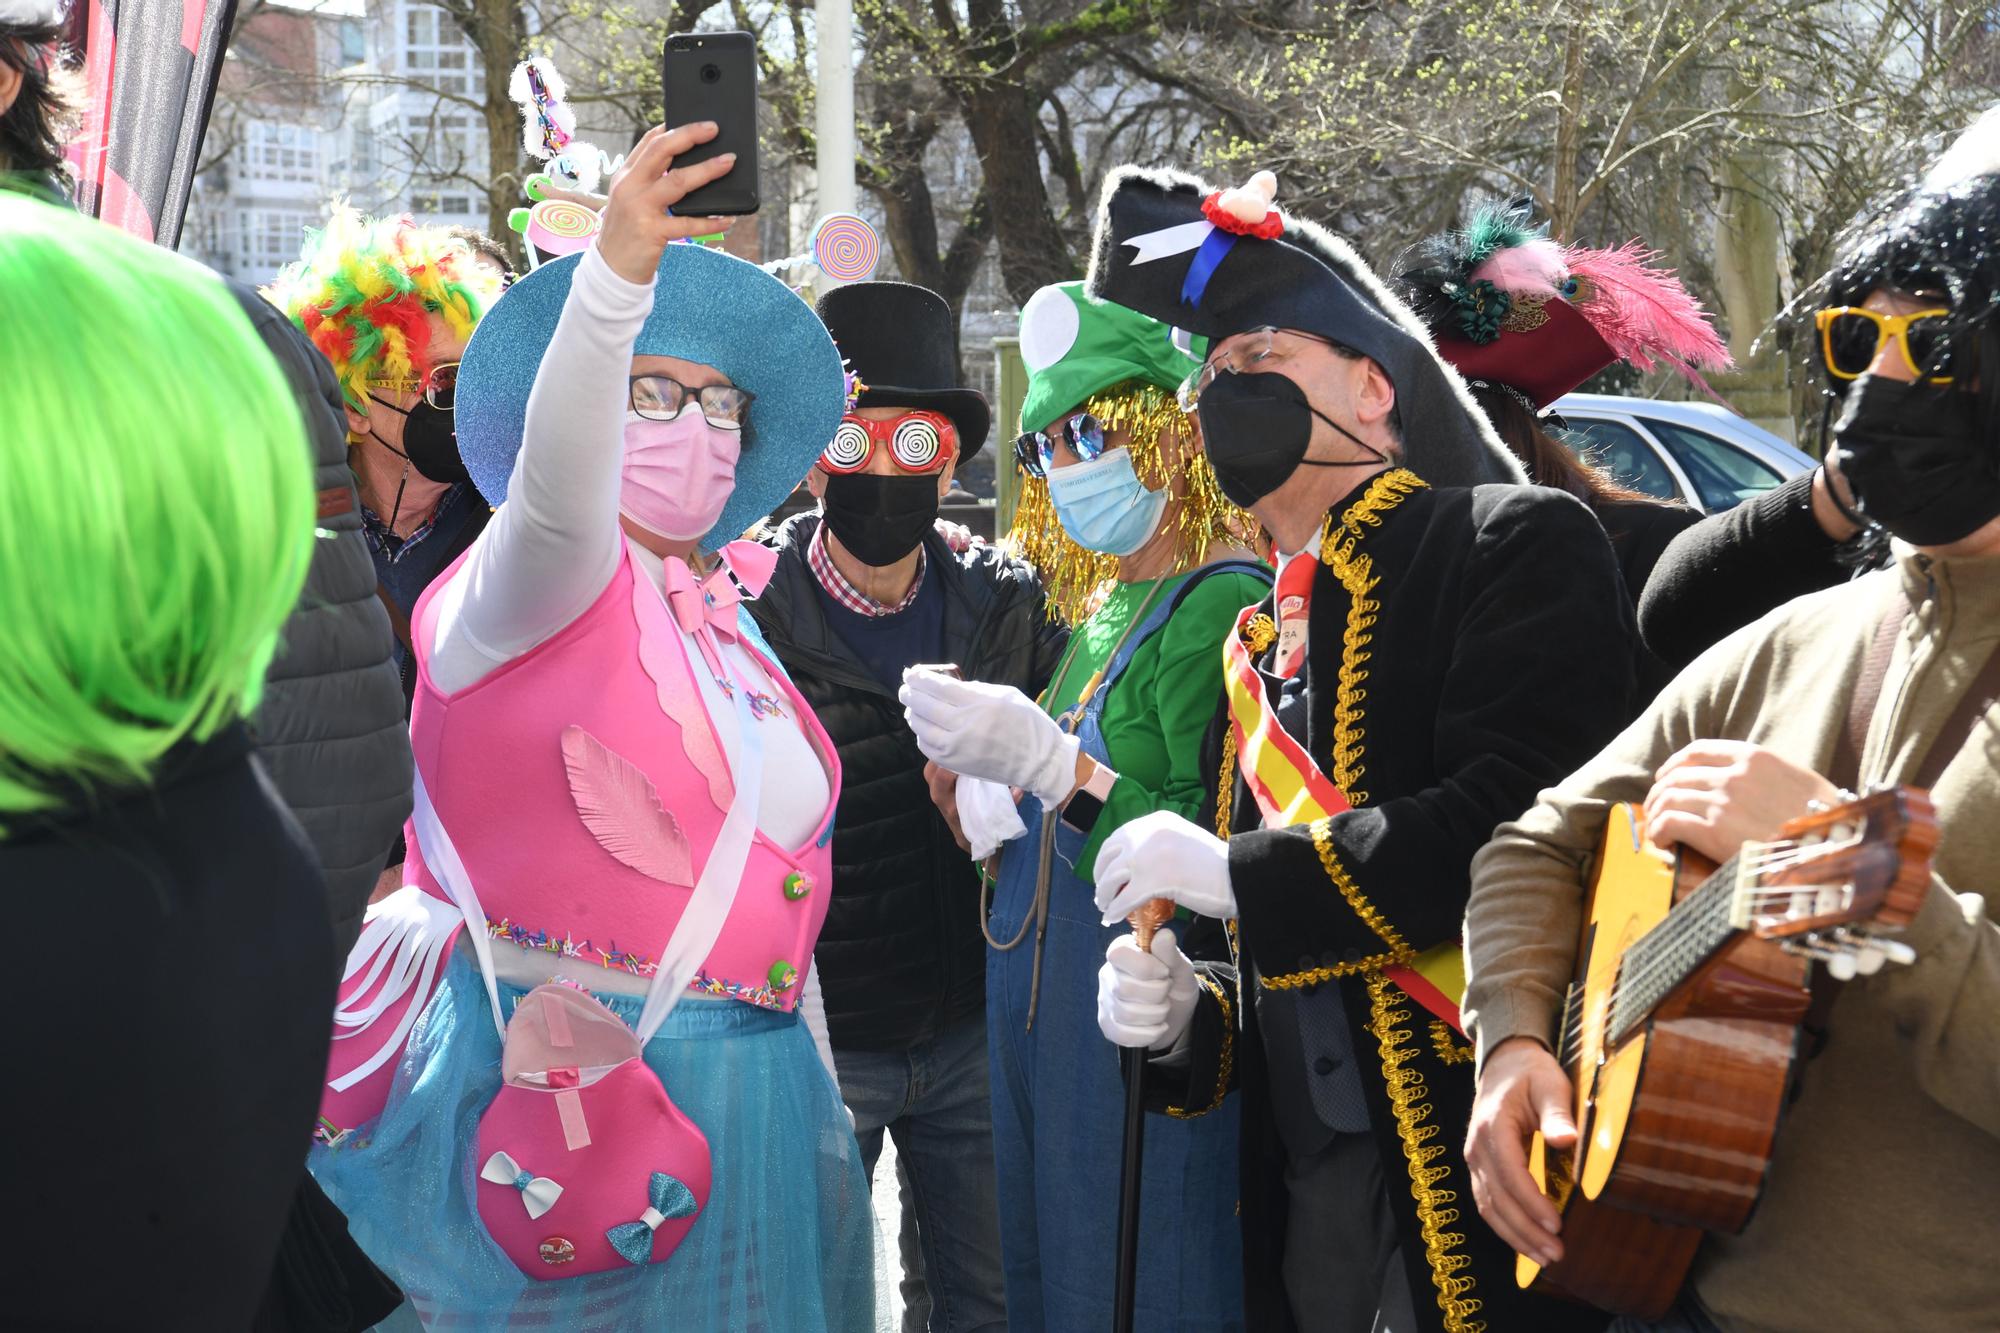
<point x="1086" y="803"/>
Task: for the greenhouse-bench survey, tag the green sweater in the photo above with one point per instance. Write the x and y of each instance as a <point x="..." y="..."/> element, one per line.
<point x="1157" y="713"/>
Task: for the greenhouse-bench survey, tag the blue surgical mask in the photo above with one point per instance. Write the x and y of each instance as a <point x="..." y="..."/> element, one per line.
<point x="1104" y="506"/>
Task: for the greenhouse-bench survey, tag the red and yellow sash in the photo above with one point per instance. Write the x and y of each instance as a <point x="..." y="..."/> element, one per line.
<point x="1290" y="789"/>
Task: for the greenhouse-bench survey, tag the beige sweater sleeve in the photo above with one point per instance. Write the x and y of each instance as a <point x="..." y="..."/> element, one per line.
<point x="1529" y="883"/>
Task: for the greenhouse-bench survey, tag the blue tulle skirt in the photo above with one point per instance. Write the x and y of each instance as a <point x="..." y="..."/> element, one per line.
<point x="786" y="1242"/>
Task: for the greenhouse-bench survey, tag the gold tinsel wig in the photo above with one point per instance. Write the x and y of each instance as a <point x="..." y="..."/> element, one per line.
<point x="1075" y="578"/>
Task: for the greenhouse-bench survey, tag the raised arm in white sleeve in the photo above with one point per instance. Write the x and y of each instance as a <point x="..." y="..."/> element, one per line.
<point x="552" y="548"/>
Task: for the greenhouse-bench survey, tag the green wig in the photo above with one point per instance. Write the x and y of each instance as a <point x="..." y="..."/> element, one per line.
<point x="156" y="507"/>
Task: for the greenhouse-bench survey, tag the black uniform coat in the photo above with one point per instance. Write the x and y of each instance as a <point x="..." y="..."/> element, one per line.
<point x="1467" y="648"/>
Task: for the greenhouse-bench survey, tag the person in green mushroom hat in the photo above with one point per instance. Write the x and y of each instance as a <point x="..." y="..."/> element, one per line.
<point x="1123" y="517"/>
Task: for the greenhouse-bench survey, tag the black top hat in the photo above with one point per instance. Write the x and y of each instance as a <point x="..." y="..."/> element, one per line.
<point x="1149" y="255"/>
<point x="898" y="338"/>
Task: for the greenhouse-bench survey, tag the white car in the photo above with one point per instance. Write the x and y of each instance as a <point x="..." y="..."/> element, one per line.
<point x="1699" y="453"/>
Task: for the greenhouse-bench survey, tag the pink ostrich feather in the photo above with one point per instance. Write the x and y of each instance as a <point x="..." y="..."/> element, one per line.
<point x="1536" y="268"/>
<point x="1643" y="313"/>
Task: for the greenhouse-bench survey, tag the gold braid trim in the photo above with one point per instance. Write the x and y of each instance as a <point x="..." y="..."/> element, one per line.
<point x="1228" y="1058"/>
<point x="1371" y="916"/>
<point x="1369" y="966"/>
<point x="1225" y="783"/>
<point x="1448" y="1051"/>
<point x="1339" y="551"/>
<point x="1258" y="632"/>
<point x="1407" y="1095"/>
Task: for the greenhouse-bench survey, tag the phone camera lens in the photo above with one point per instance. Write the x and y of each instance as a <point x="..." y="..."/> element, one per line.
<point x="711" y="74"/>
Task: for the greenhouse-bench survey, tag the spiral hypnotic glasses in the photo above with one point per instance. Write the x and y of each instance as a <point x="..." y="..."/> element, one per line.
<point x="918" y="442"/>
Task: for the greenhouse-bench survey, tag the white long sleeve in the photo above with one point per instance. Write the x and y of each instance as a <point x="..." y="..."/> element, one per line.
<point x="813" y="1008"/>
<point x="552" y="548"/>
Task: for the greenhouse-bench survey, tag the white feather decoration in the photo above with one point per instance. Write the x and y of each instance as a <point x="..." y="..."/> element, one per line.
<point x="621" y="808"/>
<point x="1975" y="153"/>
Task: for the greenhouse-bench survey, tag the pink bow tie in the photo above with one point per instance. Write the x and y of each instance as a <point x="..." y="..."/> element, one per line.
<point x="706" y="608"/>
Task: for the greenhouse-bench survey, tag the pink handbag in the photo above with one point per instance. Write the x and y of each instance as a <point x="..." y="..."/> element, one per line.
<point x="585" y="1163"/>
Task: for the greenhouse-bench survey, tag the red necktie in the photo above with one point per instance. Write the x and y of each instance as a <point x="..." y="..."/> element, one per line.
<point x="1294" y="601"/>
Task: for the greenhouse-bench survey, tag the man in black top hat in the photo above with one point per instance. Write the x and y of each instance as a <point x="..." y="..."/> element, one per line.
<point x="863" y="589"/>
<point x="1437" y="649"/>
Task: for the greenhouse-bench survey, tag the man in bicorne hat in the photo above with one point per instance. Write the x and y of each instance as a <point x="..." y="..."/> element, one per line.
<point x="1438" y="648"/>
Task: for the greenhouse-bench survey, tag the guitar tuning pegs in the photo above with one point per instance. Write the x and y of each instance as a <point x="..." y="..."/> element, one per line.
<point x="1897" y="952"/>
<point x="1868" y="960"/>
<point x="1842" y="965"/>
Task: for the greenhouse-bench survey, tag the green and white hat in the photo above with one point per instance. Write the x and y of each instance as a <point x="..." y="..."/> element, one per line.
<point x="1075" y="348"/>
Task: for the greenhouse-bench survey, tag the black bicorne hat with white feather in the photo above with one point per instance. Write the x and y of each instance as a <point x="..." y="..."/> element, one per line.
<point x="1170" y="246"/>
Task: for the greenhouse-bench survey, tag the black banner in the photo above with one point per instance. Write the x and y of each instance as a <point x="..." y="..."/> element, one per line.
<point x="151" y="67"/>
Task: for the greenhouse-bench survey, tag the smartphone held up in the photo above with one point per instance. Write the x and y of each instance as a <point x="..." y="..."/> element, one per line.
<point x="713" y="76"/>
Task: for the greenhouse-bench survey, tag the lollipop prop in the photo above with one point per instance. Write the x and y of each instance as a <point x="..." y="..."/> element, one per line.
<point x="1145" y="922"/>
<point x="845" y="249"/>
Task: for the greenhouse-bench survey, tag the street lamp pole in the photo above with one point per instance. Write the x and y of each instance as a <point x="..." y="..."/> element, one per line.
<point x="835" y="118"/>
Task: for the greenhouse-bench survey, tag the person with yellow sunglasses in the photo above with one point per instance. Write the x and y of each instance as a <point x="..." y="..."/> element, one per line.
<point x="1890" y="681"/>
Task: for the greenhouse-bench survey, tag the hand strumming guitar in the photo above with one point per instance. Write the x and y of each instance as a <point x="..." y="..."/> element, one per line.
<point x="1521" y="1089"/>
<point x="1714" y="796"/>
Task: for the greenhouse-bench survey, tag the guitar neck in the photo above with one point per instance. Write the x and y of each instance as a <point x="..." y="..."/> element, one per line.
<point x="1656" y="964"/>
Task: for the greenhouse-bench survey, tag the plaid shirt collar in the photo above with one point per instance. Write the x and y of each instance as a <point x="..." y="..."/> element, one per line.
<point x="849" y="596"/>
<point x="392" y="549"/>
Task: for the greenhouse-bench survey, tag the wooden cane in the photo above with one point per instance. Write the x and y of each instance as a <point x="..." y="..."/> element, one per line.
<point x="1145" y="921"/>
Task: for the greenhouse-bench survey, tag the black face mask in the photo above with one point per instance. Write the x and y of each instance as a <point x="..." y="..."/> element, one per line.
<point x="429" y="442"/>
<point x="880" y="519"/>
<point x="1914" y="456"/>
<point x="1256" y="429"/>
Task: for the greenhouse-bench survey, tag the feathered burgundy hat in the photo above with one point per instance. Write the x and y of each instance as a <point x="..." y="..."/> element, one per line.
<point x="1510" y="306"/>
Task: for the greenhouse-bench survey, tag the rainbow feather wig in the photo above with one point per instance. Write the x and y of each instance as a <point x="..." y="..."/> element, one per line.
<point x="364" y="288"/>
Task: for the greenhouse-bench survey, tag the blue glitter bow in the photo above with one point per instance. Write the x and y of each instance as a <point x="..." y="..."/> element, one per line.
<point x="669" y="1198"/>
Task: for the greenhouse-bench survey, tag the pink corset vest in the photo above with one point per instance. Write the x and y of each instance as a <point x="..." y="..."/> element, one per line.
<point x="512" y="760"/>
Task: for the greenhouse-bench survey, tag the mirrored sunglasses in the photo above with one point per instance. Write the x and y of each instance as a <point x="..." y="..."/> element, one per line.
<point x="1035" y="451"/>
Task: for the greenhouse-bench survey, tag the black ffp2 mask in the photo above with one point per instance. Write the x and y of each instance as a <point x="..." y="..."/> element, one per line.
<point x="1916" y="460"/>
<point x="1256" y="428"/>
<point x="880" y="519"/>
<point x="430" y="442"/>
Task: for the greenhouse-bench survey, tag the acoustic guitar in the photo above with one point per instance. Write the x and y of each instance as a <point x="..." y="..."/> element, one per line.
<point x="1682" y="1029"/>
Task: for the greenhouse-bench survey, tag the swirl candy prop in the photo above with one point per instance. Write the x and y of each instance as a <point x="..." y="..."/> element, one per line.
<point x="846" y="248"/>
<point x="557" y="227"/>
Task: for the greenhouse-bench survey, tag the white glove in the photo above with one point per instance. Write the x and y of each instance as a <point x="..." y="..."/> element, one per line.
<point x="987" y="816"/>
<point x="1145" y="999"/>
<point x="1161" y="855"/>
<point x="989" y="731"/>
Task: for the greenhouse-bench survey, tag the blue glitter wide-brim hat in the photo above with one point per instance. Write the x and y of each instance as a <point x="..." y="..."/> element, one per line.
<point x="708" y="307"/>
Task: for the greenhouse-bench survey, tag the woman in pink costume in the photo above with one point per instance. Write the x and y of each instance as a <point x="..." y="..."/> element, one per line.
<point x="629" y="806"/>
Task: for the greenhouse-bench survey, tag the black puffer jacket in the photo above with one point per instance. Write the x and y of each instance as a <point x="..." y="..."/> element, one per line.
<point x="901" y="956"/>
<point x="330" y="729"/>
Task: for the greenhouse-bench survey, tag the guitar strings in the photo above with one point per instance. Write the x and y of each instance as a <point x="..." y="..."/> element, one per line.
<point x="1652" y="966"/>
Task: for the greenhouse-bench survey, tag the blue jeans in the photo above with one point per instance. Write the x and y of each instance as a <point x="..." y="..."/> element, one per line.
<point x="933" y="1099"/>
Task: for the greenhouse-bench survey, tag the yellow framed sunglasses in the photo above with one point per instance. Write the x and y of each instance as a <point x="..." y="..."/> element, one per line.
<point x="1850" y="336"/>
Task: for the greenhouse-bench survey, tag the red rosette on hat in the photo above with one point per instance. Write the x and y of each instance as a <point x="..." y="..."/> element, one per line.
<point x="1270" y="228"/>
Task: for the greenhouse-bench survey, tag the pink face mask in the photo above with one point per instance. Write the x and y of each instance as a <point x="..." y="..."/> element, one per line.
<point x="678" y="474"/>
